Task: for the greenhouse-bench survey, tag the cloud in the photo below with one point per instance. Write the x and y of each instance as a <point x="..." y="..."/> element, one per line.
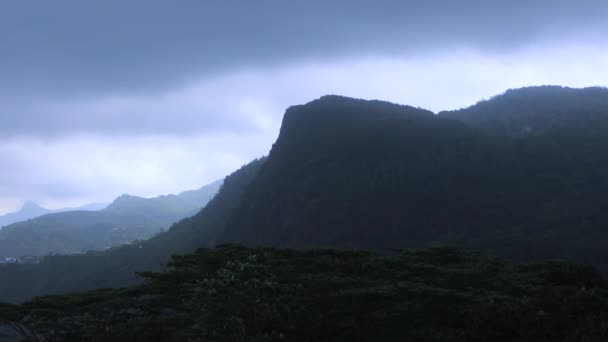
<point x="209" y="106"/>
<point x="98" y="98"/>
<point x="236" y="117"/>
<point x="156" y="67"/>
<point x="76" y="48"/>
<point x="77" y="170"/>
<point x="252" y="101"/>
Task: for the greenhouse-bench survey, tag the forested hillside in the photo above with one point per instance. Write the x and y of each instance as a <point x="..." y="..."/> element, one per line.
<point x="537" y="110"/>
<point x="354" y="173"/>
<point x="238" y="294"/>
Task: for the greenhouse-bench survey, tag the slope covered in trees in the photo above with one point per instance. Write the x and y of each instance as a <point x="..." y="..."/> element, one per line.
<point x="537" y="110"/>
<point x="126" y="219"/>
<point x="238" y="294"/>
<point x="557" y="139"/>
<point x="354" y="173"/>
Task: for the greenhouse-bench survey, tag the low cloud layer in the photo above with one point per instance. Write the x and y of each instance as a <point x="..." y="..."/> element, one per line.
<point x="251" y="101"/>
<point x="149" y="97"/>
<point x="66" y="172"/>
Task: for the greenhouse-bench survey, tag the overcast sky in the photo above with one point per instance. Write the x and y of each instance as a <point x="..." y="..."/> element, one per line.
<point x="100" y="98"/>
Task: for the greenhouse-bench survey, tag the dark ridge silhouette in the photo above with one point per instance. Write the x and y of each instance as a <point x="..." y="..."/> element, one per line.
<point x="536" y="110"/>
<point x="31" y="210"/>
<point x="355" y="173"/>
<point x="370" y="174"/>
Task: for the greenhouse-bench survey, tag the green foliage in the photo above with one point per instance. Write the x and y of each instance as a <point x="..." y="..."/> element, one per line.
<point x="235" y="294"/>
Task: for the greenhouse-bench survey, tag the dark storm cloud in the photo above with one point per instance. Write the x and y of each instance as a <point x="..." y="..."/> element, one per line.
<point x="118" y="66"/>
<point x="80" y="46"/>
<point x="121" y="116"/>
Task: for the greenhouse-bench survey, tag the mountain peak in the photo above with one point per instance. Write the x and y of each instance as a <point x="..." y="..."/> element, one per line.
<point x="329" y="104"/>
<point x="30" y="205"/>
<point x="333" y="117"/>
<point x="28" y="210"/>
<point x="335" y="156"/>
<point x="124" y="201"/>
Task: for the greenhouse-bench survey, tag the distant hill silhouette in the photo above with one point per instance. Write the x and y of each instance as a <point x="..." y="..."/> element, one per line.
<point x="126" y="219"/>
<point x="31" y="210"/>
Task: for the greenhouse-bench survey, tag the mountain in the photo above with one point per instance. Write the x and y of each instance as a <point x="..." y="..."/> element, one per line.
<point x="28" y="210"/>
<point x="350" y="173"/>
<point x="369" y="174"/>
<point x="31" y="210"/>
<point x="374" y="175"/>
<point x="126" y="219"/>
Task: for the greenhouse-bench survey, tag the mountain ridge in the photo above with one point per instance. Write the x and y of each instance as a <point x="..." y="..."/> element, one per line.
<point x="356" y="173"/>
<point x="31" y="209"/>
<point x="331" y="132"/>
<point x="126" y="219"/>
<point x="533" y="110"/>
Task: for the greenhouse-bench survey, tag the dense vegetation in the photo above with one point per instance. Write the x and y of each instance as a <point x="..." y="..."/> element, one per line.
<point x="127" y="219"/>
<point x="237" y="294"/>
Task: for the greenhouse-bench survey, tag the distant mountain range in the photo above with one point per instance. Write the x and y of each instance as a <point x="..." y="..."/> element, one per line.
<point x="523" y="175"/>
<point x="31" y="210"/>
<point x="126" y="219"/>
